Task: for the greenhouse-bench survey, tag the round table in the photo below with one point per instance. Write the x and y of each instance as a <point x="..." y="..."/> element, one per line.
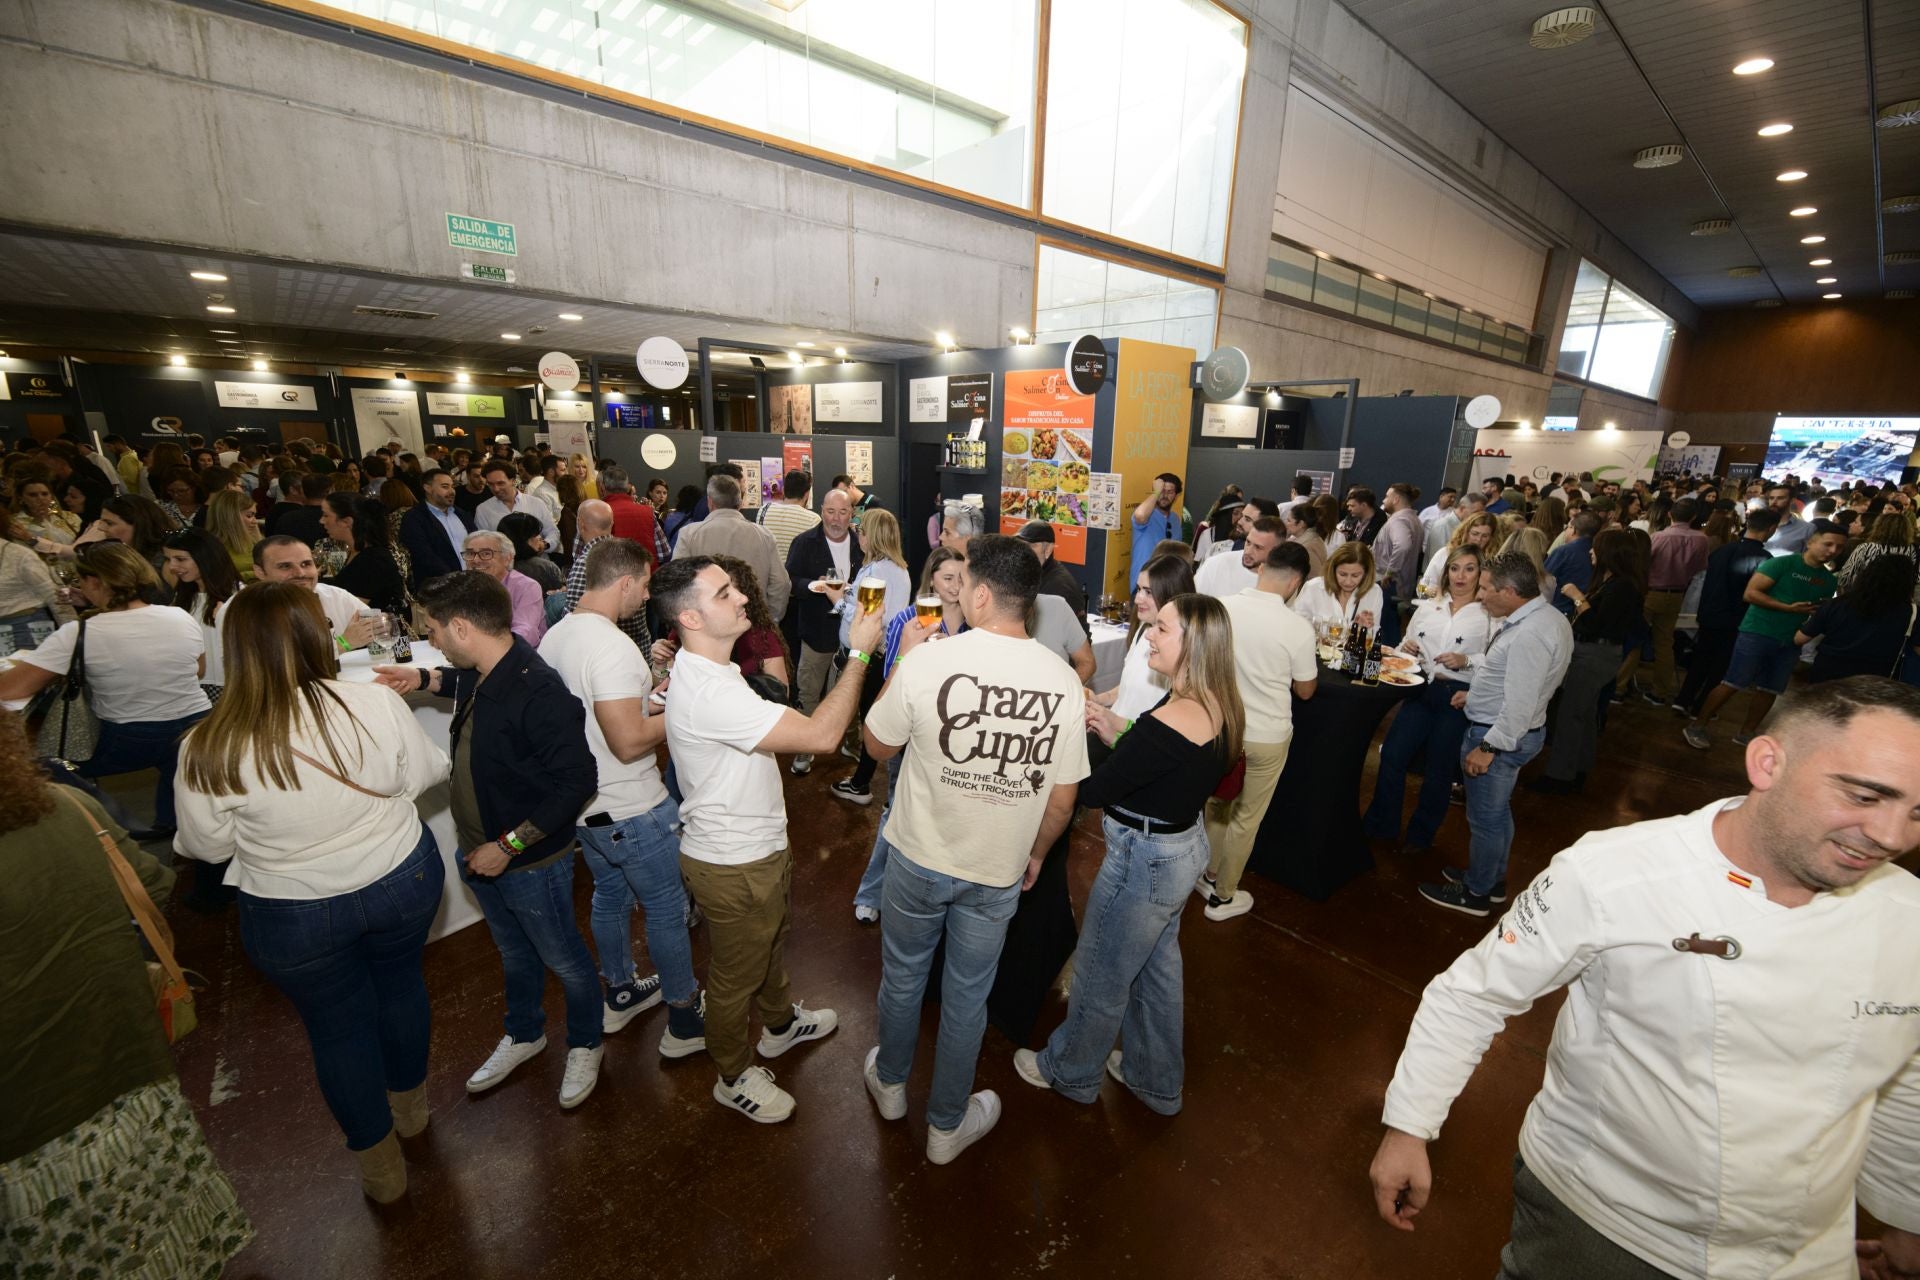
<point x="1311" y="839"/>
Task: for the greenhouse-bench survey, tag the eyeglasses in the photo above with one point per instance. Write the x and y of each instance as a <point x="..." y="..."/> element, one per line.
<point x="488" y="554"/>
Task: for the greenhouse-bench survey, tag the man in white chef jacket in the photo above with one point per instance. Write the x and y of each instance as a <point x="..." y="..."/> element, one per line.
<point x="1738" y="1056"/>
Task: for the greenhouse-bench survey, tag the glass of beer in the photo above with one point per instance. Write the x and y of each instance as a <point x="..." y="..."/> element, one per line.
<point x="873" y="593"/>
<point x="927" y="610"/>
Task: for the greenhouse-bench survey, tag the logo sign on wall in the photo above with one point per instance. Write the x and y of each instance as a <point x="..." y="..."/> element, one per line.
<point x="1088" y="364"/>
<point x="559" y="371"/>
<point x="846" y="401"/>
<point x="37" y="386"/>
<point x="969" y="396"/>
<point x="657" y="450"/>
<point x="662" y="363"/>
<point x="1230" y="421"/>
<point x="567" y="411"/>
<point x="464" y="406"/>
<point x="264" y="395"/>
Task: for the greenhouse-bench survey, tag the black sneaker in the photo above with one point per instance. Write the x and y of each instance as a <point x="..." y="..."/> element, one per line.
<point x="1457" y="794"/>
<point x="1454" y="897"/>
<point x="624" y="1004"/>
<point x="1454" y="875"/>
<point x="846" y="790"/>
<point x="1651" y="698"/>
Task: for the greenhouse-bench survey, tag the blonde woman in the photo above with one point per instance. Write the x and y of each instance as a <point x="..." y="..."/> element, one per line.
<point x="879" y="535"/>
<point x="1507" y="523"/>
<point x="1532" y="544"/>
<point x="1345" y="594"/>
<point x="307" y="785"/>
<point x="1164" y="766"/>
<point x="235" y="525"/>
<point x="580" y="466"/>
<point x="1477" y="531"/>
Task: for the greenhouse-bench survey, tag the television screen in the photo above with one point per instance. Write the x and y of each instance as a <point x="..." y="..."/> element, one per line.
<point x="1841" y="449"/>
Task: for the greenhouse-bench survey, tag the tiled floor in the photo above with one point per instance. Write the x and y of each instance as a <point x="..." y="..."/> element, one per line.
<point x="1294" y="1016"/>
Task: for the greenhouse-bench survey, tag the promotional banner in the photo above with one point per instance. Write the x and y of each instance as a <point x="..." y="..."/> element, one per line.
<point x="630" y="415"/>
<point x="264" y="395"/>
<point x="662" y="362"/>
<point x="569" y="438"/>
<point x="860" y="461"/>
<point x="1153" y="410"/>
<point x="750" y="483"/>
<point x="1620" y="456"/>
<point x="969" y="398"/>
<point x="1230" y="421"/>
<point x="36" y="386"/>
<point x="1103" y="500"/>
<point x="773" y="480"/>
<point x="796" y="455"/>
<point x="846" y="401"/>
<point x="380" y="415"/>
<point x="559" y="371"/>
<point x="790" y="410"/>
<point x="1840" y="450"/>
<point x="927" y="400"/>
<point x="464" y="406"/>
<point x="1700" y="459"/>
<point x="567" y="410"/>
<point x="1046" y="458"/>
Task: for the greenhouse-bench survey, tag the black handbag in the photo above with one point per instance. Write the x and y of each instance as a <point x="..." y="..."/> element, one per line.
<point x="71" y="731"/>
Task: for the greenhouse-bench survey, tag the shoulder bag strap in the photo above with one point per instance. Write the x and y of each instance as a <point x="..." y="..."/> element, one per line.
<point x="348" y="783"/>
<point x="152" y="924"/>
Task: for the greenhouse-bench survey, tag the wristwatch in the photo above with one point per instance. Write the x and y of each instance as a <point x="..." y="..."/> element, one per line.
<point x="1492" y="751"/>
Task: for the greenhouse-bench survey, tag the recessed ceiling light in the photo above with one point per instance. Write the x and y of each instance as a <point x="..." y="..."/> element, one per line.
<point x="223" y="331"/>
<point x="511" y="337"/>
<point x="214" y="276"/>
<point x="803" y="344"/>
<point x="1819" y="262"/>
<point x="1791" y="175"/>
<point x="232" y="342"/>
<point x="944" y="338"/>
<point x="1813" y="239"/>
<point x="841" y="352"/>
<point x="569" y="315"/>
<point x="219" y="310"/>
<point x="793" y="355"/>
<point x="259" y="366"/>
<point x="176" y="359"/>
<point x="1829" y="295"/>
<point x="1753" y="66"/>
<point x="1804" y="211"/>
<point x="1828" y="280"/>
<point x="1775" y="130"/>
<point x="460" y="374"/>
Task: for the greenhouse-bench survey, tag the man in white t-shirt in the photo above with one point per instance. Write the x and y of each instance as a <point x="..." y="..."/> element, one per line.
<point x="1225" y="575"/>
<point x="997" y="730"/>
<point x="283" y="558"/>
<point x="629" y="830"/>
<point x="733" y="837"/>
<point x="1274" y="662"/>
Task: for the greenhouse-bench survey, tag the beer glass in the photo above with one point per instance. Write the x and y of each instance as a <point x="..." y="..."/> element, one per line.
<point x="927" y="610"/>
<point x="873" y="593"/>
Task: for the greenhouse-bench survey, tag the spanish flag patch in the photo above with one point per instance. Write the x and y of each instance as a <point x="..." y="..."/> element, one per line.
<point x="1745" y="882"/>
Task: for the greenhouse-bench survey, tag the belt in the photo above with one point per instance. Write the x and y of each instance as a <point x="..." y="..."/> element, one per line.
<point x="1667" y="591"/>
<point x="1484" y="724"/>
<point x="1148" y="826"/>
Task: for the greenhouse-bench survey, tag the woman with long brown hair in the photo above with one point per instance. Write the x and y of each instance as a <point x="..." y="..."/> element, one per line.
<point x="305" y="786"/>
<point x="1164" y="766"/>
<point x="232" y="523"/>
<point x="101" y="1159"/>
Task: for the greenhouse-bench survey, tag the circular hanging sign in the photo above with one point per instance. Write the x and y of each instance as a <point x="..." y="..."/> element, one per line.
<point x="1224" y="374"/>
<point x="662" y="363"/>
<point x="1679" y="440"/>
<point x="559" y="371"/>
<point x="657" y="450"/>
<point x="1087" y="364"/>
<point x="1482" y="412"/>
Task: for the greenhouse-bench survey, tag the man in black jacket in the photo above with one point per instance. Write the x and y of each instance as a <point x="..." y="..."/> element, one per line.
<point x="434" y="531"/>
<point x="522" y="773"/>
<point x="1723" y="604"/>
<point x="827" y="548"/>
<point x="298" y="515"/>
<point x="1055" y="578"/>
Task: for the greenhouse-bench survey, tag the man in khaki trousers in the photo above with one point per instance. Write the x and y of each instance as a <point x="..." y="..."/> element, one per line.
<point x="1274" y="659"/>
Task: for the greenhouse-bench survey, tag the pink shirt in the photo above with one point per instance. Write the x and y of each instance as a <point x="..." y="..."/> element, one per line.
<point x="529" y="607"/>
<point x="1679" y="552"/>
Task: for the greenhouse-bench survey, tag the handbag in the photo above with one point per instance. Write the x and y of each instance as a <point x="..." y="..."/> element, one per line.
<point x="1232" y="781"/>
<point x="71" y="731"/>
<point x="172" y="996"/>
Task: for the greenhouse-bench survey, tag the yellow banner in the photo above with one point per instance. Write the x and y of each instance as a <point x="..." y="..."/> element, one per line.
<point x="1152" y="419"/>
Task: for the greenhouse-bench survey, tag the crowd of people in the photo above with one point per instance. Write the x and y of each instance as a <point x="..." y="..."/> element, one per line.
<point x="626" y="676"/>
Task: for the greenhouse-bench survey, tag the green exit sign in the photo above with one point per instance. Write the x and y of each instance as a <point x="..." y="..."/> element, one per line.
<point x="483" y="235"/>
<point x="481" y="271"/>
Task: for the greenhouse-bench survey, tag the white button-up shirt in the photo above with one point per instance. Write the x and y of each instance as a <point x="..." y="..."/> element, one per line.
<point x="1715" y="1117"/>
<point x="1440" y="629"/>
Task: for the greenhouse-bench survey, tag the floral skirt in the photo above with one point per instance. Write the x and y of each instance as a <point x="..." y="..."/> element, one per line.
<point x="133" y="1191"/>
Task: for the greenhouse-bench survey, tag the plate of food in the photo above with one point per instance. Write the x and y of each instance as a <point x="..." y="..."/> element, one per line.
<point x="1046" y="442"/>
<point x="1013" y="473"/>
<point x="1043" y="475"/>
<point x="1398" y="662"/>
<point x="1078" y="444"/>
<point x="1073" y="477"/>
<point x="1068" y="508"/>
<point x="1013" y="502"/>
<point x="1015" y="442"/>
<point x="1402" y="679"/>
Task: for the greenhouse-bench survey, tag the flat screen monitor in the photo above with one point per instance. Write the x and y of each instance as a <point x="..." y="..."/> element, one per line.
<point x="1841" y="449"/>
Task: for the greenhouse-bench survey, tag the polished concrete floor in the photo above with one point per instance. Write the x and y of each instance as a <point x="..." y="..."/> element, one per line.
<point x="1294" y="1018"/>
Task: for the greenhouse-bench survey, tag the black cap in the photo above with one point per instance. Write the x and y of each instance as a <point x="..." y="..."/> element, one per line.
<point x="1035" y="531"/>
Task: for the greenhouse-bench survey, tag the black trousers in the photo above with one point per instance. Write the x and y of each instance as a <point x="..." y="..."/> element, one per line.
<point x="1551" y="1242"/>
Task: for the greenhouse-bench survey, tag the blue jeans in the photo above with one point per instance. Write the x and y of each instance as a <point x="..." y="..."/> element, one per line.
<point x="530" y="914"/>
<point x="1127" y="972"/>
<point x="868" y="894"/>
<point x="1489" y="811"/>
<point x="351" y="966"/>
<point x="1427" y="725"/>
<point x="919" y="907"/>
<point x="143" y="744"/>
<point x="638" y="859"/>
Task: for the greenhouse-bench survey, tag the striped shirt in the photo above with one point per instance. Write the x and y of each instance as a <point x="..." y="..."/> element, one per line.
<point x="787" y="521"/>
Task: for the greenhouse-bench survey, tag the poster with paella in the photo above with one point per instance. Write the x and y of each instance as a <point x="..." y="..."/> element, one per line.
<point x="1046" y="458"/>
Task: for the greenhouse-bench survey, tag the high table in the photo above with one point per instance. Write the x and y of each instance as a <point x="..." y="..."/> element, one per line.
<point x="1311" y="839"/>
<point x="1109" y="651"/>
<point x="434" y="715"/>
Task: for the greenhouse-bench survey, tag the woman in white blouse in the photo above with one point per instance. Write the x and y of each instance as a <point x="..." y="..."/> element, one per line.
<point x="201" y="574"/>
<point x="1443" y="634"/>
<point x="305" y="786"/>
<point x="1345" y="592"/>
<point x="1140" y="689"/>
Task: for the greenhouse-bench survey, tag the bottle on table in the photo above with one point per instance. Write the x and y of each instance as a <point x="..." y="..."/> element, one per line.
<point x="1370" y="671"/>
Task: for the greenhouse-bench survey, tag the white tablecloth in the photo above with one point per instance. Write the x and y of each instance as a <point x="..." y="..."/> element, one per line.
<point x="1109" y="652"/>
<point x="458" y="908"/>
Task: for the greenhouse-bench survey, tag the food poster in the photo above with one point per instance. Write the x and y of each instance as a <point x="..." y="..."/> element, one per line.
<point x="860" y="461"/>
<point x="1046" y="458"/>
<point x="749" y="483"/>
<point x="1103" y="500"/>
<point x="773" y="481"/>
<point x="797" y="455"/>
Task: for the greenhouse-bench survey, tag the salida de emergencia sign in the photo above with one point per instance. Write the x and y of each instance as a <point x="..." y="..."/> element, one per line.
<point x="483" y="235"/>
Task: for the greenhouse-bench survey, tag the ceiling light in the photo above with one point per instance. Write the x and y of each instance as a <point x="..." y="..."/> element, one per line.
<point x="841" y="352"/>
<point x="1819" y="262"/>
<point x="176" y="360"/>
<point x="569" y="315"/>
<point x="232" y="342"/>
<point x="1896" y="114"/>
<point x="1775" y="130"/>
<point x="1828" y="280"/>
<point x="793" y="355"/>
<point x="1018" y="334"/>
<point x="1526" y="424"/>
<point x="1813" y="239"/>
<point x="803" y="344"/>
<point x="459" y="375"/>
<point x="614" y="395"/>
<point x="1791" y="175"/>
<point x="219" y="310"/>
<point x="1563" y="27"/>
<point x="1804" y="211"/>
<point x="259" y="366"/>
<point x="944" y="338"/>
<point x="1608" y="426"/>
<point x="223" y="331"/>
<point x="1753" y="66"/>
<point x="1658" y="157"/>
<point x="214" y="276"/>
<point x="511" y="337"/>
<point x="1705" y="227"/>
<point x="1829" y="295"/>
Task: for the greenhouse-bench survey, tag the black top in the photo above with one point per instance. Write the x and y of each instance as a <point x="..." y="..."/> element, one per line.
<point x="1854" y="646"/>
<point x="374" y="577"/>
<point x="1613" y="610"/>
<point x="469" y="501"/>
<point x="1058" y="580"/>
<point x="296" y="520"/>
<point x="808" y="558"/>
<point x="543" y="571"/>
<point x="1723" y="591"/>
<point x="1155" y="771"/>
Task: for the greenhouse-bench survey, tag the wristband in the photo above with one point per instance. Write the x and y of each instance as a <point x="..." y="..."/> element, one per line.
<point x="861" y="655"/>
<point x="513" y="842"/>
<point x="426" y="677"/>
<point x="505" y="848"/>
<point x="1123" y="731"/>
<point x="342" y="642"/>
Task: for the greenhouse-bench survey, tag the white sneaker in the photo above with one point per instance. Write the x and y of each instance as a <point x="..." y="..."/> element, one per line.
<point x="807" y="1024"/>
<point x="583" y="1072"/>
<point x="1204" y="886"/>
<point x="802" y="765"/>
<point x="506" y="1056"/>
<point x="1238" y="905"/>
<point x="1113" y="1066"/>
<point x="890" y="1099"/>
<point x="755" y="1096"/>
<point x="983" y="1112"/>
<point x="1027" y="1063"/>
<point x="866" y="915"/>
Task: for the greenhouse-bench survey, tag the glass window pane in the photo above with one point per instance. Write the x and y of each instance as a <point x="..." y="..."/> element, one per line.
<point x="1080" y="294"/>
<point x="1410" y="311"/>
<point x="1516" y="345"/>
<point x="1493" y="338"/>
<point x="1376" y="300"/>
<point x="1466" y="332"/>
<point x="1583" y="320"/>
<point x="1143" y="110"/>
<point x="1290" y="270"/>
<point x="1635" y="339"/>
<point x="1441" y="320"/>
<point x="1336" y="286"/>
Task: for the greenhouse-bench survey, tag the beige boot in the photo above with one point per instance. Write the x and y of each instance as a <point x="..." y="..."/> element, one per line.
<point x="409" y="1111"/>
<point x="383" y="1170"/>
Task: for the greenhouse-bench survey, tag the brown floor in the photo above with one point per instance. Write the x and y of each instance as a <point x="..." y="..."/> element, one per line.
<point x="1295" y="1015"/>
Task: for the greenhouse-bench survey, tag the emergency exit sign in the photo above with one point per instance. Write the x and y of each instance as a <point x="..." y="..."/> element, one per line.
<point x="482" y="235"/>
<point x="481" y="271"/>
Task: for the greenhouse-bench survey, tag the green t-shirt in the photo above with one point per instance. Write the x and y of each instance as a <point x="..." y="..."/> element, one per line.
<point x="1794" y="581"/>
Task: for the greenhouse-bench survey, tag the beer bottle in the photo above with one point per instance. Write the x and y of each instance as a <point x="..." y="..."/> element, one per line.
<point x="1370" y="672"/>
<point x="1355" y="655"/>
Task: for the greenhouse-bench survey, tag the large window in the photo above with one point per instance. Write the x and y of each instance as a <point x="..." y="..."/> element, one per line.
<point x="1079" y="294"/>
<point x="935" y="89"/>
<point x="1143" y="114"/>
<point x="1613" y="336"/>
